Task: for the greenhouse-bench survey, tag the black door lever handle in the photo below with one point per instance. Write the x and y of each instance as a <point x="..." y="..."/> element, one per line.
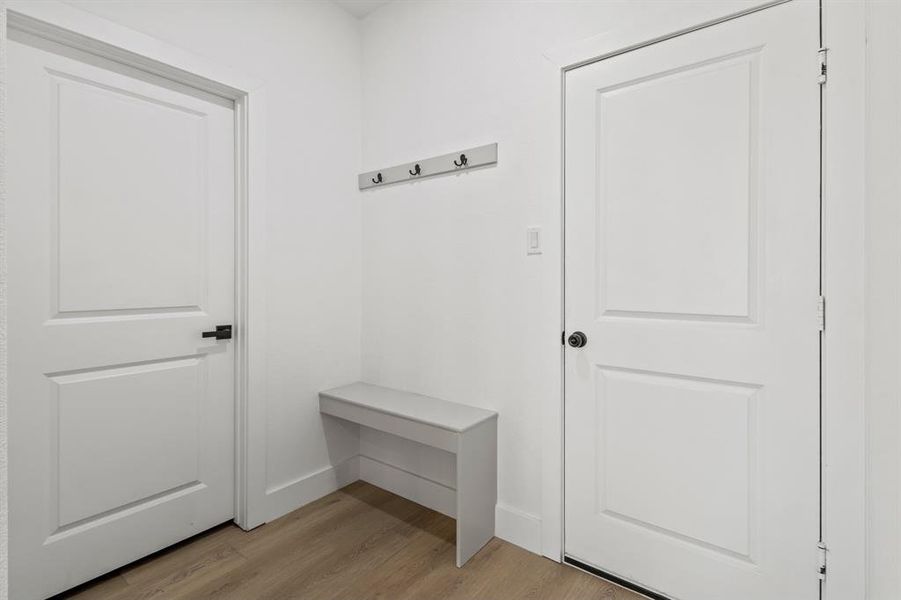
<point x="223" y="332"/>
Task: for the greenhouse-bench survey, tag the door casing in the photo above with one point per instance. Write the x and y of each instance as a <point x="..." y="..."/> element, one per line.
<point x="843" y="492"/>
<point x="76" y="29"/>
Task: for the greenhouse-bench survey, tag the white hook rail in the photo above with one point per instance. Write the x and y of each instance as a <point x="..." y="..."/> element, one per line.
<point x="429" y="167"/>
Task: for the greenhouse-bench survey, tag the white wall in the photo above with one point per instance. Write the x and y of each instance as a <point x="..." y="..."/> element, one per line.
<point x="452" y="305"/>
<point x="883" y="224"/>
<point x="308" y="56"/>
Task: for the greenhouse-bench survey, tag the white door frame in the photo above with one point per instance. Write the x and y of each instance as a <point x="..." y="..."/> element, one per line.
<point x="843" y="267"/>
<point x="86" y="32"/>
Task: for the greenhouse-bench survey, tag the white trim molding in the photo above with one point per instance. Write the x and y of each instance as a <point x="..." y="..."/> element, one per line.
<point x="883" y="297"/>
<point x="66" y="25"/>
<point x="289" y="496"/>
<point x="90" y="33"/>
<point x="518" y="527"/>
<point x="844" y="265"/>
<point x="667" y="23"/>
<point x="511" y="524"/>
<point x="4" y="529"/>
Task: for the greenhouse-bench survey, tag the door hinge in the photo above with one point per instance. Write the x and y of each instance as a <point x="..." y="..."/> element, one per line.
<point x="821" y="557"/>
<point x="821" y="313"/>
<point x="821" y="76"/>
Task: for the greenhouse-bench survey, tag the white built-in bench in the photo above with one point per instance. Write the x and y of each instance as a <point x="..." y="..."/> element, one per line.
<point x="467" y="431"/>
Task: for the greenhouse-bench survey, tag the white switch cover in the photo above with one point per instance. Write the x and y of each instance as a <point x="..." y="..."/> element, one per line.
<point x="533" y="240"/>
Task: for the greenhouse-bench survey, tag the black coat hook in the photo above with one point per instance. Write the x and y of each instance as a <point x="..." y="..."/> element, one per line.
<point x="377" y="179"/>
<point x="463" y="161"/>
<point x="417" y="170"/>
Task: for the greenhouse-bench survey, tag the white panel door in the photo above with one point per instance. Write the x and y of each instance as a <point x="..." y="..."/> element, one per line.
<point x="692" y="223"/>
<point x="121" y="253"/>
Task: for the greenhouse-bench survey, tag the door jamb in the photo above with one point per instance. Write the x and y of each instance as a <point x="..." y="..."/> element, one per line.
<point x="92" y="34"/>
<point x="843" y="510"/>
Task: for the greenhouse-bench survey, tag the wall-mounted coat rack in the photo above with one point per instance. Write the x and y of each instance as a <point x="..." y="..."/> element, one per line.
<point x="429" y="167"/>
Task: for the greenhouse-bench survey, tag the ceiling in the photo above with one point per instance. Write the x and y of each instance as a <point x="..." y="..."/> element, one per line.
<point x="360" y="8"/>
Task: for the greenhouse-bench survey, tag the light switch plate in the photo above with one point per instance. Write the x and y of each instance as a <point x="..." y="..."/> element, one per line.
<point x="533" y="240"/>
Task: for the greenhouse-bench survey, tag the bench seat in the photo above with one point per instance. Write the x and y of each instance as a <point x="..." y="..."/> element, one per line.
<point x="467" y="431"/>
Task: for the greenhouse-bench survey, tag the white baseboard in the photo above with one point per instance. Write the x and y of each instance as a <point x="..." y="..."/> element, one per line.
<point x="518" y="527"/>
<point x="511" y="524"/>
<point x="414" y="487"/>
<point x="292" y="495"/>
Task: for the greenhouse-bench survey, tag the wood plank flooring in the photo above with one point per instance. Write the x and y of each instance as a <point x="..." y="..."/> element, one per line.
<point x="359" y="543"/>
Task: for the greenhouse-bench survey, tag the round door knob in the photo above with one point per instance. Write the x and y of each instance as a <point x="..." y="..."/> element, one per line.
<point x="577" y="339"/>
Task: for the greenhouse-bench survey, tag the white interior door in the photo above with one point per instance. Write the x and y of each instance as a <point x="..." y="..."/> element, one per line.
<point x="121" y="252"/>
<point x="692" y="224"/>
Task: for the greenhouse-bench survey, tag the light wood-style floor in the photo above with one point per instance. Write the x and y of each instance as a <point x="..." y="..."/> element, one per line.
<point x="360" y="543"/>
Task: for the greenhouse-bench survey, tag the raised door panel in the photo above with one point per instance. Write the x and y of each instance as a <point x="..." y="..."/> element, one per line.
<point x="677" y="457"/>
<point x="676" y="176"/>
<point x="127" y="435"/>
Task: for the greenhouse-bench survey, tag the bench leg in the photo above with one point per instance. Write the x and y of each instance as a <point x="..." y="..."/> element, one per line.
<point x="476" y="488"/>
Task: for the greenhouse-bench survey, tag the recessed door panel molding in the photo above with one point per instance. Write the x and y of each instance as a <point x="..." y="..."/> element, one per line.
<point x="691" y="413"/>
<point x="122" y="417"/>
